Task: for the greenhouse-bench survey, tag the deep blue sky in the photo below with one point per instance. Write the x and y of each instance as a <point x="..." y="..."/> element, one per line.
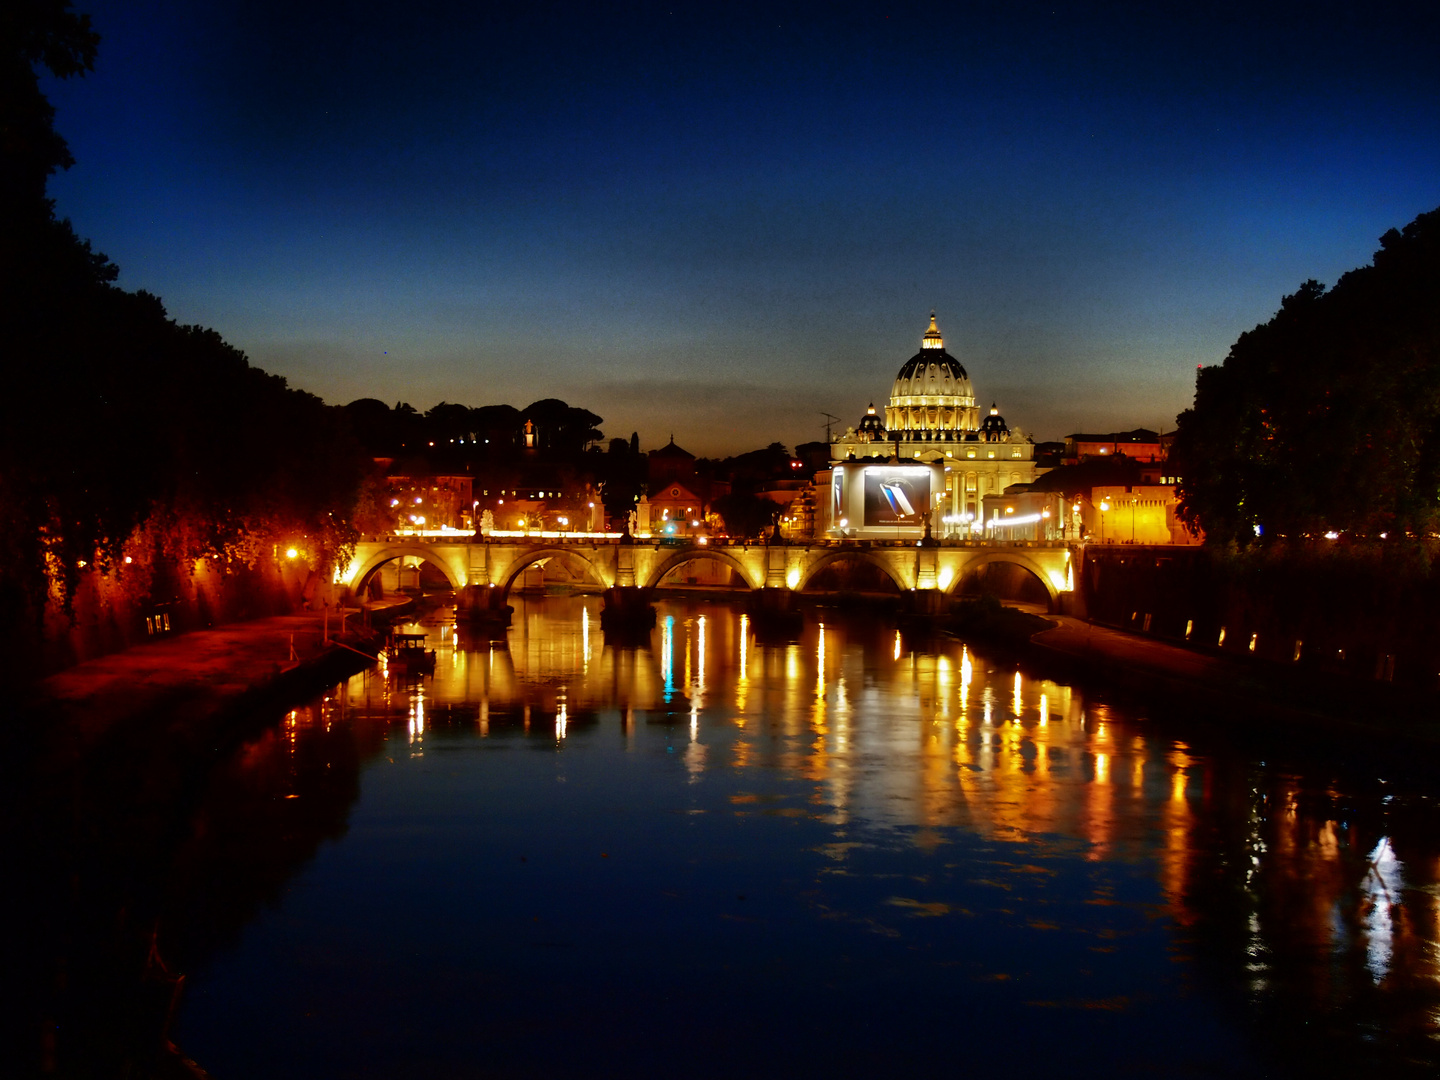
<point x="720" y="219"/>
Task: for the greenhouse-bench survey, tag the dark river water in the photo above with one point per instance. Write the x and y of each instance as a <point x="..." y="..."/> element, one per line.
<point x="855" y="854"/>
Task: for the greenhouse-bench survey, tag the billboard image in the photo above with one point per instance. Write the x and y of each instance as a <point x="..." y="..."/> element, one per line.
<point x="897" y="495"/>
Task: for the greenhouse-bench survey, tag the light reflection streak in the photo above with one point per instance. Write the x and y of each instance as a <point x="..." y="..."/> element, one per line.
<point x="667" y="658"/>
<point x="700" y="656"/>
<point x="689" y="678"/>
<point x="820" y="663"/>
<point x="1381" y="890"/>
<point x="967" y="672"/>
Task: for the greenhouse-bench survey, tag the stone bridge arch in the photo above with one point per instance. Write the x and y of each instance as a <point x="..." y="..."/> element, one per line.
<point x="417" y="551"/>
<point x="1015" y="558"/>
<point x="887" y="566"/>
<point x="695" y="553"/>
<point x="529" y="558"/>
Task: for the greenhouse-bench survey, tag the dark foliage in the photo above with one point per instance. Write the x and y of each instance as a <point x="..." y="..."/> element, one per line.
<point x="1326" y="418"/>
<point x="746" y="514"/>
<point x="116" y="420"/>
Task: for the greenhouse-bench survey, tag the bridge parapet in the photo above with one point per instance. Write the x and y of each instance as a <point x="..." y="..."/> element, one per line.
<point x="498" y="562"/>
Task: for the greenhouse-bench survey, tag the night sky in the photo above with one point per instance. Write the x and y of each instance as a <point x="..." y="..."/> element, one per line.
<point x="720" y="219"/>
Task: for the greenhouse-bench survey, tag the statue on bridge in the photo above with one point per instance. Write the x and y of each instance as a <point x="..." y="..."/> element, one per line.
<point x="487" y="522"/>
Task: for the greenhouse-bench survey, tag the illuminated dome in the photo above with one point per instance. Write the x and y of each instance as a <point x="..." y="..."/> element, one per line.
<point x="932" y="392"/>
<point x="871" y="428"/>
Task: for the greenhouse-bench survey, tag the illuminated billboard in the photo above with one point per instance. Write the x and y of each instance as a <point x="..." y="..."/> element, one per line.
<point x="896" y="494"/>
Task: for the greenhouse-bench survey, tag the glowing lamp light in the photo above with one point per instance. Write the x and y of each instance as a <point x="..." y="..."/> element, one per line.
<point x="1104" y="505"/>
<point x="291" y="553"/>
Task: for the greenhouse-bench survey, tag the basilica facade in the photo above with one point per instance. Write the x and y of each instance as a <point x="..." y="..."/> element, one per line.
<point x="933" y="425"/>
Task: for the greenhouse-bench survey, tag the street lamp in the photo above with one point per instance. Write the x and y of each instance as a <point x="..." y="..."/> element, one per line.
<point x="1104" y="505"/>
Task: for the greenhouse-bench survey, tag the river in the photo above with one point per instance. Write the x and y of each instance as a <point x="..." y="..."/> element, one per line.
<point x="855" y="854"/>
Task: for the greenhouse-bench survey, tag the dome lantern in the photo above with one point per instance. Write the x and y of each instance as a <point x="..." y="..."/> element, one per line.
<point x="932" y="338"/>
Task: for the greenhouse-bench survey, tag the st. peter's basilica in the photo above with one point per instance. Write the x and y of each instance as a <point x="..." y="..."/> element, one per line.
<point x="931" y="420"/>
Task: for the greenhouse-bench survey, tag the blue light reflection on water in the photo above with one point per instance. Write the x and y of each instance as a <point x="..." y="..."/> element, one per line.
<point x="829" y="858"/>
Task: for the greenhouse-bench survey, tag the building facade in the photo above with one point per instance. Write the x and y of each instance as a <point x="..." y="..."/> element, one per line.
<point x="931" y="420"/>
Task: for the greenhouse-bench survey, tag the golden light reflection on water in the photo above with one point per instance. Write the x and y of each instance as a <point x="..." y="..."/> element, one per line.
<point x="880" y="733"/>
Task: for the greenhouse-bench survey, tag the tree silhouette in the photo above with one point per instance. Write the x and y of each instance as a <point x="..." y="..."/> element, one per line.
<point x="116" y="423"/>
<point x="1326" y="418"/>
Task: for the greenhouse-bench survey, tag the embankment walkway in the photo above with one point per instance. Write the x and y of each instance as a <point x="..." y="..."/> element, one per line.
<point x="195" y="675"/>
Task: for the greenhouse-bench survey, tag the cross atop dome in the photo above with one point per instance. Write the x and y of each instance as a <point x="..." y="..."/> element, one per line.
<point x="932" y="339"/>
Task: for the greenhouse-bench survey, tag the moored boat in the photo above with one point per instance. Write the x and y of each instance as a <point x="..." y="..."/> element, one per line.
<point x="405" y="654"/>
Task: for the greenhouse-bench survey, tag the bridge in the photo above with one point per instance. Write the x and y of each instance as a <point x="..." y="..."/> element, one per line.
<point x="495" y="565"/>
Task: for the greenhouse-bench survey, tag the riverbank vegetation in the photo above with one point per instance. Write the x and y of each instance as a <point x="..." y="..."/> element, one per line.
<point x="1326" y="419"/>
<point x="149" y="475"/>
<point x="1311" y="461"/>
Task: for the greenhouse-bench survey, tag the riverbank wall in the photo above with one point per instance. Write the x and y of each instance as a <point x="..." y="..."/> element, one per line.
<point x="203" y="685"/>
<point x="1353" y="612"/>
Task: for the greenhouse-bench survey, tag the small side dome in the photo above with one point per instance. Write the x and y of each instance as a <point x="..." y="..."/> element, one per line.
<point x="993" y="428"/>
<point x="871" y="428"/>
